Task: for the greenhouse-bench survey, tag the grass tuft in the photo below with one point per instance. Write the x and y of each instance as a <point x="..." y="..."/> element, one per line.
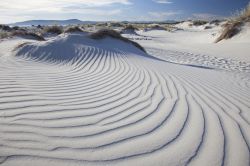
<point x="5" y="27"/>
<point x="157" y="27"/>
<point x="215" y="22"/>
<point x="199" y="22"/>
<point x="54" y="29"/>
<point x="233" y="26"/>
<point x="16" y="28"/>
<point x="131" y="27"/>
<point x="103" y="33"/>
<point x="73" y="29"/>
<point x="24" y="33"/>
<point x="4" y="34"/>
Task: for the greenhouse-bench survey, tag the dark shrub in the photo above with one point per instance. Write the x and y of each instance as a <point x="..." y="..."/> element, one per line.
<point x="130" y="27"/>
<point x="54" y="29"/>
<point x="16" y="28"/>
<point x="199" y="22"/>
<point x="5" y="27"/>
<point x="73" y="29"/>
<point x="208" y="27"/>
<point x="229" y="31"/>
<point x="215" y="22"/>
<point x="233" y="26"/>
<point x="24" y="33"/>
<point x="39" y="26"/>
<point x="103" y="33"/>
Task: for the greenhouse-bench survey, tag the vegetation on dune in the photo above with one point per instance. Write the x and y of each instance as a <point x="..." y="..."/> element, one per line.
<point x="16" y="28"/>
<point x="165" y="27"/>
<point x="208" y="27"/>
<point x="73" y="29"/>
<point x="115" y="24"/>
<point x="233" y="25"/>
<point x="103" y="33"/>
<point x="158" y="27"/>
<point x="106" y="33"/>
<point x="25" y="33"/>
<point x="131" y="27"/>
<point x="215" y="22"/>
<point x="4" y="34"/>
<point x="199" y="22"/>
<point x="230" y="29"/>
<point x="244" y="15"/>
<point x="5" y="27"/>
<point x="5" y="31"/>
<point x="102" y="24"/>
<point x="20" y="33"/>
<point x="39" y="27"/>
<point x="54" y="29"/>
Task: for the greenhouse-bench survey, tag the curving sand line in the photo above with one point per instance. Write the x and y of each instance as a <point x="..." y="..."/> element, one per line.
<point x="76" y="101"/>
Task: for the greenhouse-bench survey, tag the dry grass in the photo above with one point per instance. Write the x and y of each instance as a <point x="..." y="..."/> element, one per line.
<point x="102" y="24"/>
<point x="103" y="33"/>
<point x="131" y="27"/>
<point x="244" y="14"/>
<point x="199" y="22"/>
<point x="4" y="34"/>
<point x="16" y="28"/>
<point x="53" y="29"/>
<point x="208" y="27"/>
<point x="115" y="24"/>
<point x="215" y="22"/>
<point x="24" y="33"/>
<point x="5" y="27"/>
<point x="233" y="26"/>
<point x="106" y="33"/>
<point x="21" y="33"/>
<point x="170" y="28"/>
<point x="157" y="27"/>
<point x="230" y="30"/>
<point x="140" y="26"/>
<point x="73" y="29"/>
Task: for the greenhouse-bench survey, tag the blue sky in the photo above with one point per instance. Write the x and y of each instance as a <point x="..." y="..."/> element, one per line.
<point x="117" y="10"/>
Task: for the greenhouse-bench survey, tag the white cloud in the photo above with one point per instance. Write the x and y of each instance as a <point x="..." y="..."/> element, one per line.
<point x="97" y="12"/>
<point x="14" y="10"/>
<point x="31" y="4"/>
<point x="163" y="1"/>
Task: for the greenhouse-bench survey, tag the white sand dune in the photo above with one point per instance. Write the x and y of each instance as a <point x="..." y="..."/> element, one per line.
<point x="77" y="101"/>
<point x="198" y="41"/>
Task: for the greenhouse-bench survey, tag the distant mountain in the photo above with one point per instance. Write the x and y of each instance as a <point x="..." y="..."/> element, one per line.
<point x="75" y="22"/>
<point x="51" y="22"/>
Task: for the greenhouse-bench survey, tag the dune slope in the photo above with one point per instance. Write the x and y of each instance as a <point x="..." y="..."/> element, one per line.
<point x="77" y="101"/>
